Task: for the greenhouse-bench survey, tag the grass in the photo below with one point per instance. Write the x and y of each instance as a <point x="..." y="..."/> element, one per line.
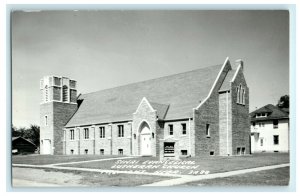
<point x="274" y="177"/>
<point x="104" y="179"/>
<point x="213" y="164"/>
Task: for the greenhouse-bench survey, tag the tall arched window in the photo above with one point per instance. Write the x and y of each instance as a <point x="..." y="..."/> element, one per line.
<point x="238" y="95"/>
<point x="65" y="93"/>
<point x="241" y="94"/>
<point x="244" y="92"/>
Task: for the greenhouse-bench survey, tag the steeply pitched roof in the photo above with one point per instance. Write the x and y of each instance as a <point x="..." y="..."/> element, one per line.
<point x="181" y="92"/>
<point x="161" y="109"/>
<point x="226" y="84"/>
<point x="273" y="113"/>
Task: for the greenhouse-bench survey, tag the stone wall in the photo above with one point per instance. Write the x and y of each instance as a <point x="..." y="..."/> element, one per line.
<point x="225" y="123"/>
<point x="208" y="114"/>
<point x="240" y="117"/>
<point x="185" y="141"/>
<point x="62" y="112"/>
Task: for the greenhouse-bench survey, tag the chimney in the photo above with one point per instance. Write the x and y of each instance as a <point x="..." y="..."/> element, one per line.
<point x="239" y="62"/>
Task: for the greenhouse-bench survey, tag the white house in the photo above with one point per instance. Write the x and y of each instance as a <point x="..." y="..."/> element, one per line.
<point x="269" y="129"/>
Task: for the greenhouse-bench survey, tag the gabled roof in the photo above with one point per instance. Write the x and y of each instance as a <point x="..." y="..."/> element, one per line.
<point x="14" y="139"/>
<point x="161" y="109"/>
<point x="274" y="112"/>
<point x="181" y="92"/>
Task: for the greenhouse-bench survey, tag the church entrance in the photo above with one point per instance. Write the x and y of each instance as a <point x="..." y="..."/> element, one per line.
<point x="145" y="138"/>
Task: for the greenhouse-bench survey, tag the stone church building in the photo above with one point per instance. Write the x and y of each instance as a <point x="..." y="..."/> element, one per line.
<point x="196" y="113"/>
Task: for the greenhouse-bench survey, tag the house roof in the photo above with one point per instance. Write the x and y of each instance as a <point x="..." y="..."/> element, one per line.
<point x="181" y="93"/>
<point x="274" y="112"/>
<point x="14" y="139"/>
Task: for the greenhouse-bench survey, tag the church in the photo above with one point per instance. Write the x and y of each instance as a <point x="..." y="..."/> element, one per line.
<point x="204" y="112"/>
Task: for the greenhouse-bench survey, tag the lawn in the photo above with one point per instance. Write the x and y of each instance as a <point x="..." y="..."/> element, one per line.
<point x="213" y="164"/>
<point x="274" y="177"/>
<point x="74" y="178"/>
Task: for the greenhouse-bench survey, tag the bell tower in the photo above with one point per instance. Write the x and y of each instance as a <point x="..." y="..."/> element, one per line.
<point x="58" y="104"/>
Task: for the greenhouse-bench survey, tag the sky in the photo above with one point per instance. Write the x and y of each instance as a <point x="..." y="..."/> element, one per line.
<point x="104" y="49"/>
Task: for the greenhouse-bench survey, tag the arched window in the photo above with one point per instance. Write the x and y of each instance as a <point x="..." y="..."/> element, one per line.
<point x="65" y="93"/>
<point x="241" y="94"/>
<point x="244" y="92"/>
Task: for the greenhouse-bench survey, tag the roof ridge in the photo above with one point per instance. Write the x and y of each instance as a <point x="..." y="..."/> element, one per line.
<point x="83" y="94"/>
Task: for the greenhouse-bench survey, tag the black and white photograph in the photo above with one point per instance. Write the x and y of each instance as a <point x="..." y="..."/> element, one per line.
<point x="150" y="98"/>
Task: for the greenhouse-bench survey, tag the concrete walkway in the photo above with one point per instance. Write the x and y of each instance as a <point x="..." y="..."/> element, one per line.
<point x="186" y="179"/>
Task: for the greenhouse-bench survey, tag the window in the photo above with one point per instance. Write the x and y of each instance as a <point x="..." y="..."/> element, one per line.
<point x="244" y="92"/>
<point x="102" y="132"/>
<point x="170" y="129"/>
<point x="120" y="151"/>
<point x="134" y="136"/>
<point x="72" y="134"/>
<point x="65" y="93"/>
<point x="86" y="151"/>
<point x="238" y="95"/>
<point x="207" y="131"/>
<point x="72" y="151"/>
<point x="183" y="152"/>
<point x="243" y="150"/>
<point x="169" y="147"/>
<point x="238" y="151"/>
<point x="253" y="124"/>
<point x="276" y="139"/>
<point x="46" y="120"/>
<point x="261" y="142"/>
<point x="153" y="135"/>
<point x="275" y="124"/>
<point x="211" y="153"/>
<point x="120" y="130"/>
<point x="183" y="128"/>
<point x="101" y="151"/>
<point x="86" y="133"/>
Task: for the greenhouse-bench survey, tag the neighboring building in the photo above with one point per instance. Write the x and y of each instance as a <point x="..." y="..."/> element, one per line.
<point x="200" y="112"/>
<point x="21" y="145"/>
<point x="270" y="129"/>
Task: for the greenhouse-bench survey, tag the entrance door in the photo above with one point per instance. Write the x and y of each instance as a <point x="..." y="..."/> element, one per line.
<point x="46" y="146"/>
<point x="145" y="141"/>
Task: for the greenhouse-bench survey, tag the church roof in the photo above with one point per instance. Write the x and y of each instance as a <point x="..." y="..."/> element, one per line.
<point x="226" y="84"/>
<point x="172" y="96"/>
<point x="273" y="112"/>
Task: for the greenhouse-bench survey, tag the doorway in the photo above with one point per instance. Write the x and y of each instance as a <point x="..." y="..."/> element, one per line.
<point x="145" y="138"/>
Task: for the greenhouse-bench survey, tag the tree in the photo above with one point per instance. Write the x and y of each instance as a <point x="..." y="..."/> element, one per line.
<point x="284" y="102"/>
<point x="32" y="133"/>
